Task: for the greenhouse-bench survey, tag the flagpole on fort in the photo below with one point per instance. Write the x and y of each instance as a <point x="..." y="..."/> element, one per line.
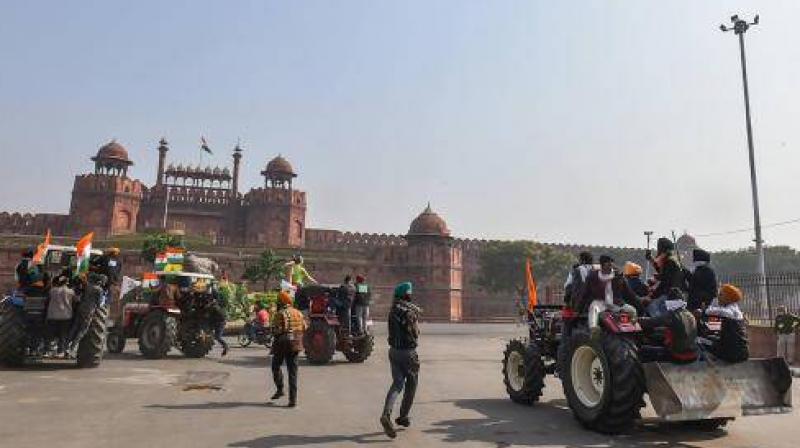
<point x="166" y="206"/>
<point x="740" y="27"/>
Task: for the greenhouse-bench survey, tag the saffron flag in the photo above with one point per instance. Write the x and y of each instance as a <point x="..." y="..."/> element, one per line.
<point x="530" y="283"/>
<point x="84" y="251"/>
<point x="41" y="250"/>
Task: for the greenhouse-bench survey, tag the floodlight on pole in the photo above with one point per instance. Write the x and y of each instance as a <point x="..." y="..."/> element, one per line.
<point x="739" y="28"/>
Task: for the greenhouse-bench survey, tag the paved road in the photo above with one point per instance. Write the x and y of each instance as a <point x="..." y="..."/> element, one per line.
<point x="133" y="402"/>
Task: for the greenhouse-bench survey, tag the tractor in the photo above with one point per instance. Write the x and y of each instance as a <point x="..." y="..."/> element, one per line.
<point x="171" y="309"/>
<point x="606" y="372"/>
<point x="325" y="334"/>
<point x="23" y="326"/>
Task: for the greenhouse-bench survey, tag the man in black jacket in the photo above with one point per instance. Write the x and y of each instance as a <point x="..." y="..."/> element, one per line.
<point x="403" y="336"/>
<point x="702" y="281"/>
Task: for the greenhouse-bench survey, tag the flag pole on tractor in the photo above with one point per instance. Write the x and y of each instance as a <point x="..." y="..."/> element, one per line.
<point x="84" y="251"/>
<point x="41" y="249"/>
<point x="530" y="283"/>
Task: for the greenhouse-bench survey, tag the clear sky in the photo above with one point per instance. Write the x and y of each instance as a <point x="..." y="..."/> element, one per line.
<point x="562" y="121"/>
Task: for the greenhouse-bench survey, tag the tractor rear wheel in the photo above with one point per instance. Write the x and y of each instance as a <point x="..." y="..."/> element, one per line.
<point x="319" y="342"/>
<point x="13" y="337"/>
<point x="196" y="338"/>
<point x="157" y="334"/>
<point x="523" y="371"/>
<point x="90" y="347"/>
<point x="603" y="381"/>
<point x="360" y="348"/>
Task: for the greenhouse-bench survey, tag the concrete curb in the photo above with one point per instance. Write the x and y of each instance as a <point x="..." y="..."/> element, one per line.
<point x="795" y="371"/>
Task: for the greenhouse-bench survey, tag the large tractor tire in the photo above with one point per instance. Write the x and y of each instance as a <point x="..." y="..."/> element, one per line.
<point x="360" y="349"/>
<point x="90" y="347"/>
<point x="319" y="342"/>
<point x="13" y="337"/>
<point x="196" y="338"/>
<point x="157" y="334"/>
<point x="523" y="371"/>
<point x="115" y="341"/>
<point x="603" y="381"/>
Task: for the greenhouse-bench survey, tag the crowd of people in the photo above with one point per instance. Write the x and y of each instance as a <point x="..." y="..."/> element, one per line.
<point x="70" y="299"/>
<point x="675" y="297"/>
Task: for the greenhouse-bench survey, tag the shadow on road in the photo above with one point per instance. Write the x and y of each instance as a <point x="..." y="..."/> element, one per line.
<point x="213" y="405"/>
<point x="505" y="424"/>
<point x="43" y="366"/>
<point x="299" y="440"/>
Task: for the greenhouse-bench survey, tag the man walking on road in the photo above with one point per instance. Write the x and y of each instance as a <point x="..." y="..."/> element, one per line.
<point x="403" y="336"/>
<point x="288" y="328"/>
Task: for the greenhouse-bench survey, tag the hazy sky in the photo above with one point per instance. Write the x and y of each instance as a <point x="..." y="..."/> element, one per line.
<point x="560" y="121"/>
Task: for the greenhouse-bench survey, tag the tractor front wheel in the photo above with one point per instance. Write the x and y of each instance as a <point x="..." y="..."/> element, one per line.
<point x="115" y="341"/>
<point x="523" y="371"/>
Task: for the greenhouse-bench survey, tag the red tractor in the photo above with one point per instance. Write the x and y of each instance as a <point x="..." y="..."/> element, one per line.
<point x="173" y="314"/>
<point x="326" y="334"/>
<point x="607" y="363"/>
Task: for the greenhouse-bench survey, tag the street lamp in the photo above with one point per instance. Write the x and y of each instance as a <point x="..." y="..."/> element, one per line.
<point x="740" y="27"/>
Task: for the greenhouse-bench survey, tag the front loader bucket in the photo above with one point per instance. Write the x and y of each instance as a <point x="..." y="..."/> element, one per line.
<point x="715" y="389"/>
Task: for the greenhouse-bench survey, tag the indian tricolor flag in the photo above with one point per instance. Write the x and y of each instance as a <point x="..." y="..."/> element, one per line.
<point x="84" y="251"/>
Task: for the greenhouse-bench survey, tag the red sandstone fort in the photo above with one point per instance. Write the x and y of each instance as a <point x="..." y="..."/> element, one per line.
<point x="208" y="202"/>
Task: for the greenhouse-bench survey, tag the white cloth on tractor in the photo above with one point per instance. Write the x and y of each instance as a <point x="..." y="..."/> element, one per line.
<point x="128" y="284"/>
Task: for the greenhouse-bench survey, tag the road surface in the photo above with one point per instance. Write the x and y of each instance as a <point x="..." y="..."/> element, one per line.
<point x="132" y="402"/>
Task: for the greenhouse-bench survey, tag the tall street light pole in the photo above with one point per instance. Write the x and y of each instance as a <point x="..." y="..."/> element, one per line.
<point x="739" y="28"/>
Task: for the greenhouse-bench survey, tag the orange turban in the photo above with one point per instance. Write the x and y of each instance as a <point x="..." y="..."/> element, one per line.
<point x="729" y="294"/>
<point x="285" y="298"/>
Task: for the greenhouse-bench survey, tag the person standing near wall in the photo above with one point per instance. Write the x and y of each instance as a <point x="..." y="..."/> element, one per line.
<point x="403" y="336"/>
<point x="786" y="324"/>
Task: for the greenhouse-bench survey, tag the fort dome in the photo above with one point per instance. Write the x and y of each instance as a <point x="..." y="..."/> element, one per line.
<point x="280" y="165"/>
<point x="428" y="223"/>
<point x="112" y="151"/>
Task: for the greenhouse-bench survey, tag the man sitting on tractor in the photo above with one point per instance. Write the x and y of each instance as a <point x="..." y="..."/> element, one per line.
<point x="669" y="274"/>
<point x="30" y="276"/>
<point x="731" y="345"/>
<point x="606" y="289"/>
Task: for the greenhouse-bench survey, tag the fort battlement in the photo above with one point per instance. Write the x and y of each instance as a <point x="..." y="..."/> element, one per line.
<point x="105" y="183"/>
<point x="274" y="196"/>
<point x="33" y="224"/>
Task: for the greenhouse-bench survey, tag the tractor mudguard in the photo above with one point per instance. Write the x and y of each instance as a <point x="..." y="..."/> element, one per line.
<point x="716" y="389"/>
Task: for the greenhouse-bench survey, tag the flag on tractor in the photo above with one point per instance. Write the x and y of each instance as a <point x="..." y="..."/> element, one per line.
<point x="41" y="250"/>
<point x="530" y="284"/>
<point x="84" y="251"/>
<point x="204" y="145"/>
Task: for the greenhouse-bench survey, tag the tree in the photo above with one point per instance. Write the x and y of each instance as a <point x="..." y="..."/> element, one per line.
<point x="157" y="242"/>
<point x="502" y="265"/>
<point x="268" y="267"/>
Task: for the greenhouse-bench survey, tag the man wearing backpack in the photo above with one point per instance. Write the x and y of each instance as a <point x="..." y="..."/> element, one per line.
<point x="288" y="328"/>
